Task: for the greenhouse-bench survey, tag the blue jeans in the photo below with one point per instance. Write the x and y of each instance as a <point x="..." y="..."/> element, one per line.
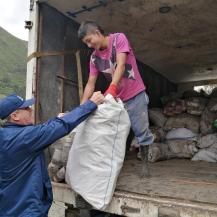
<point x="137" y="108"/>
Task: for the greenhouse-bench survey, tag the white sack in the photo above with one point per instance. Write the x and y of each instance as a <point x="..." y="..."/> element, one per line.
<point x="188" y="121"/>
<point x="207" y="141"/>
<point x="97" y="153"/>
<point x="181" y="133"/>
<point x="205" y="155"/>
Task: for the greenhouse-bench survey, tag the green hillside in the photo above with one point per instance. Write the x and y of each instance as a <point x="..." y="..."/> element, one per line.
<point x="13" y="52"/>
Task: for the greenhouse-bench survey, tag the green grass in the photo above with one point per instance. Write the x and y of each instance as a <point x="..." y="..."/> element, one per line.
<point x="13" y="52"/>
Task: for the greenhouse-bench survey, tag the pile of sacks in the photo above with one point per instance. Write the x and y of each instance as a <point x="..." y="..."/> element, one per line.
<point x="57" y="166"/>
<point x="183" y="128"/>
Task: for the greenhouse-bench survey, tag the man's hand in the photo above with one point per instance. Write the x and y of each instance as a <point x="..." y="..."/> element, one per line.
<point x="60" y="115"/>
<point x="111" y="90"/>
<point x="97" y="98"/>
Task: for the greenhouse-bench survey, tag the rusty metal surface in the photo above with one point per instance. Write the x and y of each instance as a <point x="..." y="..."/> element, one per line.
<point x="134" y="205"/>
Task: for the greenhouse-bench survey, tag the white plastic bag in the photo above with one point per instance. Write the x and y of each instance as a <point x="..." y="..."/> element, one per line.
<point x="97" y="153"/>
<point x="182" y="134"/>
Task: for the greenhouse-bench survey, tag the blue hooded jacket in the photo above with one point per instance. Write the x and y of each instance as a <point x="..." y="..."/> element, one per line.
<point x="25" y="188"/>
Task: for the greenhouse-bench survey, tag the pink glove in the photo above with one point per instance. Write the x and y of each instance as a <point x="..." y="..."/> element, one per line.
<point x="112" y="89"/>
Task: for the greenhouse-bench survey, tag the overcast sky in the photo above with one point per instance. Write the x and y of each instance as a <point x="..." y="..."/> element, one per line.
<point x="13" y="13"/>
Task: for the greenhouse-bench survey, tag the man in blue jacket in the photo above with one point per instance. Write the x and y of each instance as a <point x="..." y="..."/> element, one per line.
<point x="25" y="188"/>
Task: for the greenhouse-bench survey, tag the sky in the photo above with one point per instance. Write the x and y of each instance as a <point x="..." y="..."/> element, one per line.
<point x="13" y="13"/>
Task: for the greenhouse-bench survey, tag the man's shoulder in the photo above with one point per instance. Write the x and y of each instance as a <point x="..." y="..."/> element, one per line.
<point x="120" y="37"/>
<point x="118" y="34"/>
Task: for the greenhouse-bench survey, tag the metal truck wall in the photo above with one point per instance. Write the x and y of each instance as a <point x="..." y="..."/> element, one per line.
<point x="156" y="84"/>
<point x="57" y="81"/>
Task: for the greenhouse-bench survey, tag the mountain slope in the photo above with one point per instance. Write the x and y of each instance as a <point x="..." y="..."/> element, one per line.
<point x="13" y="52"/>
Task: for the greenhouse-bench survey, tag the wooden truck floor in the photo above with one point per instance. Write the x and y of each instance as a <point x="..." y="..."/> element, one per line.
<point x="176" y="188"/>
<point x="177" y="178"/>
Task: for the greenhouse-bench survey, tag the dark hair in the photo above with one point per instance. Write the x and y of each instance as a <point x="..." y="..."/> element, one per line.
<point x="88" y="27"/>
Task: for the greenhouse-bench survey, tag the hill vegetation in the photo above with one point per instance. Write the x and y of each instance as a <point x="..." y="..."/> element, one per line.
<point x="13" y="52"/>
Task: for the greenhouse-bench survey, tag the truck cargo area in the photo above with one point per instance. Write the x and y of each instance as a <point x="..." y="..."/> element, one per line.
<point x="175" y="43"/>
<point x="178" y="178"/>
<point x="177" y="187"/>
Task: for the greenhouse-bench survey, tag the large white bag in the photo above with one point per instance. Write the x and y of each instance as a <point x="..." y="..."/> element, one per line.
<point x="97" y="153"/>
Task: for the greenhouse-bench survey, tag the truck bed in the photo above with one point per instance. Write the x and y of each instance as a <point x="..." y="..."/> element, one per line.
<point x="178" y="178"/>
<point x="176" y="188"/>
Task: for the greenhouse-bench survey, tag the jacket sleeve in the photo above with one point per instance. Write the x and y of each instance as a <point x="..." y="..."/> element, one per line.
<point x="38" y="137"/>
